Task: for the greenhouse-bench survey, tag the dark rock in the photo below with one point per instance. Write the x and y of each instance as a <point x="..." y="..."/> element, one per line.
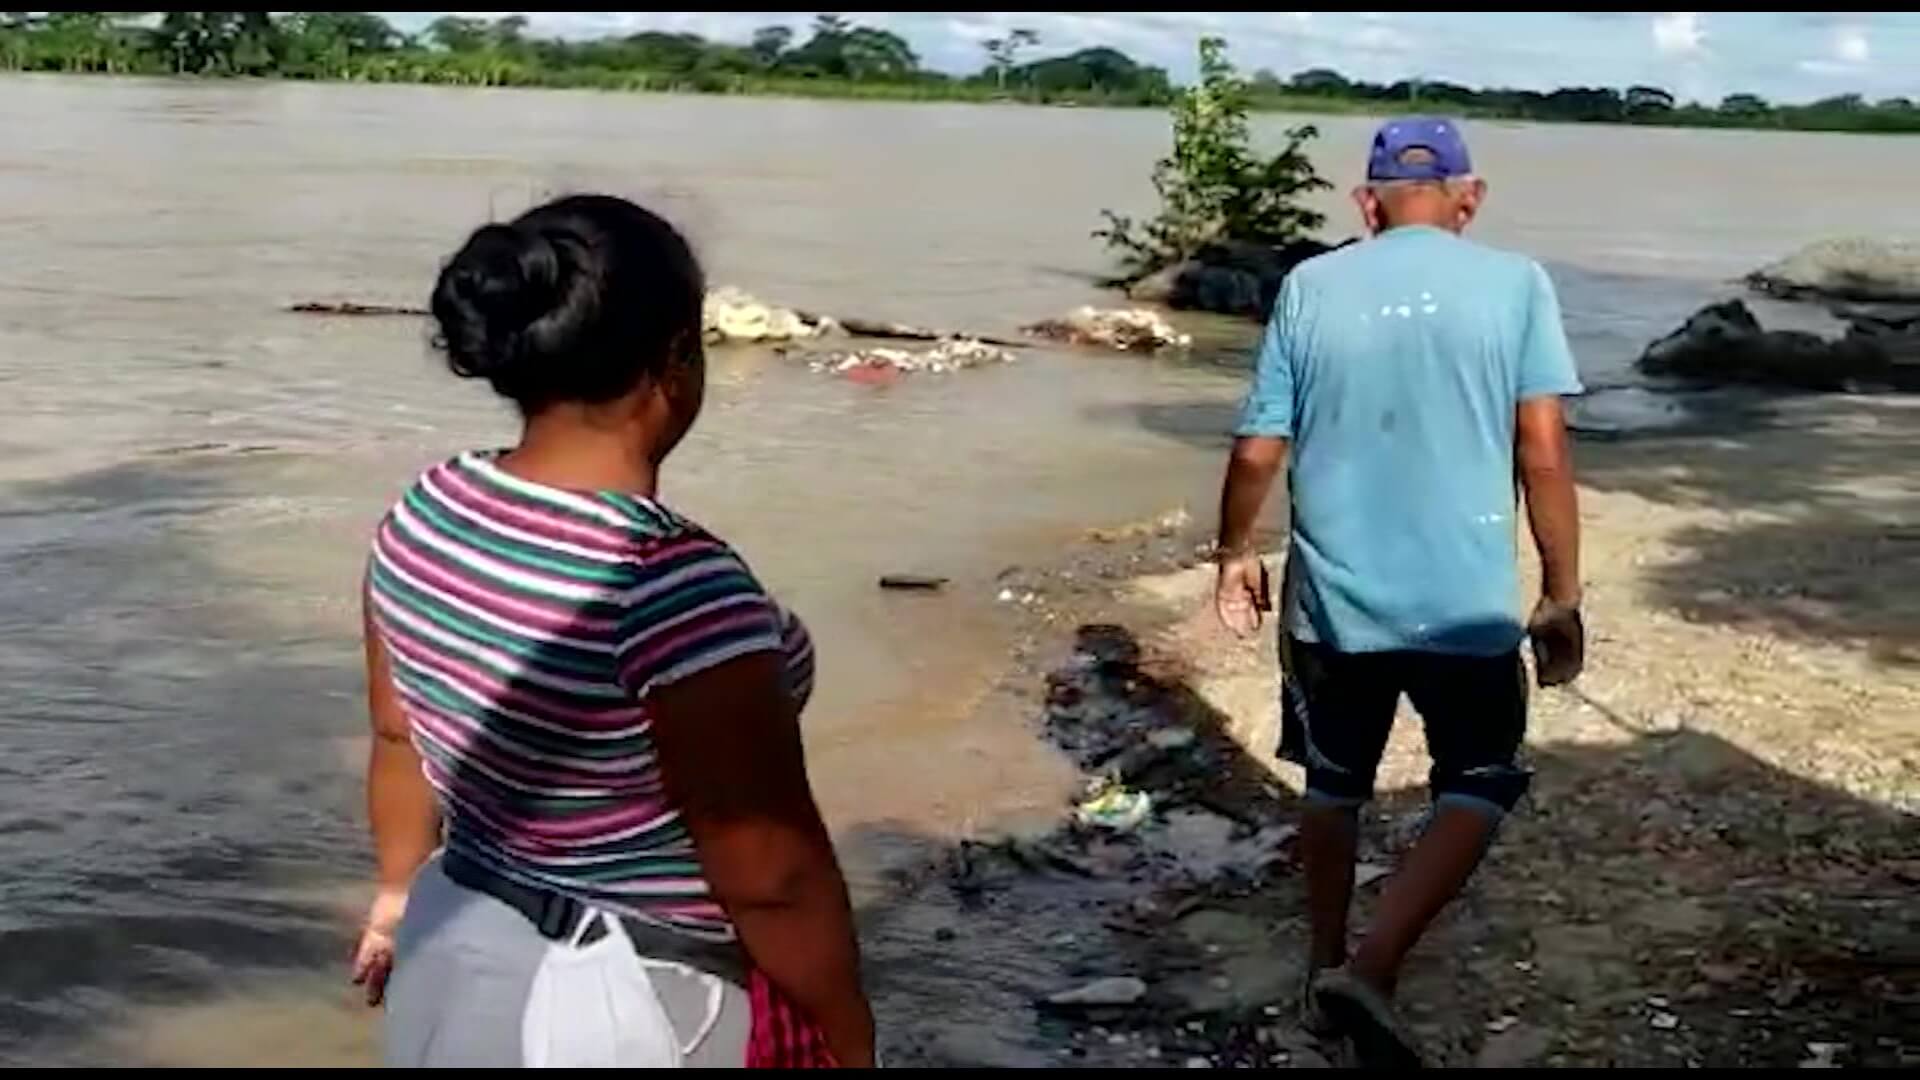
<point x="912" y="583"/>
<point x="1232" y="277"/>
<point x="1879" y="318"/>
<point x="1110" y="647"/>
<point x="1724" y="343"/>
<point x="1159" y="287"/>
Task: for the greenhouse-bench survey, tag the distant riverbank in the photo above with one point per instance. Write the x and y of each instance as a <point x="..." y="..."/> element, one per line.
<point x="1865" y="120"/>
<point x="833" y="58"/>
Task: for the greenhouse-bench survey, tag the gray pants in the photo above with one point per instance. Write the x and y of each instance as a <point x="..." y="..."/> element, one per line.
<point x="464" y="969"/>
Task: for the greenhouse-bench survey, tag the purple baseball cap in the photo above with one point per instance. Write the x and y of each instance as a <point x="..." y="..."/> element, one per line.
<point x="1418" y="148"/>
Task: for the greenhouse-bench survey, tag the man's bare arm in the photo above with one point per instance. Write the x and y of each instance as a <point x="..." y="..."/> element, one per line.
<point x="1240" y="593"/>
<point x="1251" y="470"/>
<point x="1545" y="462"/>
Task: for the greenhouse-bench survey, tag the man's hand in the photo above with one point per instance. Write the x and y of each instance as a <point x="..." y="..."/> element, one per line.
<point x="1559" y="642"/>
<point x="1240" y="594"/>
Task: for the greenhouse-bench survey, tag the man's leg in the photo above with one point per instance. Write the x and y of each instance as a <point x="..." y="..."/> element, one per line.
<point x="1475" y="711"/>
<point x="1430" y="876"/>
<point x="1329" y="843"/>
<point x="1336" y="714"/>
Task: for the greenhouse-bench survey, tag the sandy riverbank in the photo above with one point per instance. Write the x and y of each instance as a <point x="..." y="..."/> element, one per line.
<point x="1716" y="861"/>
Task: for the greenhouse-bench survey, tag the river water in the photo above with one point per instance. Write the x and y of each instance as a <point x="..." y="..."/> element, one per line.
<point x="187" y="474"/>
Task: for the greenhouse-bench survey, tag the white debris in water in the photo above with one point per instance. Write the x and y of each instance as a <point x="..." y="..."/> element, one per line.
<point x="1126" y="329"/>
<point x="731" y="314"/>
<point x="954" y="354"/>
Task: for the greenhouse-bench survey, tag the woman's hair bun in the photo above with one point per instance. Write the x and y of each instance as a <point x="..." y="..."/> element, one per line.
<point x="576" y="300"/>
<point x="498" y="286"/>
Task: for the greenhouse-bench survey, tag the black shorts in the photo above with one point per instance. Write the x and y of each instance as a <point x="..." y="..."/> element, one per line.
<point x="1337" y="710"/>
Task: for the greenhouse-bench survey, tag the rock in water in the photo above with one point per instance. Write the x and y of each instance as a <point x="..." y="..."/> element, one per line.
<point x="1852" y="268"/>
<point x="912" y="582"/>
<point x="1159" y="287"/>
<point x="1724" y="343"/>
<point x="1231" y="277"/>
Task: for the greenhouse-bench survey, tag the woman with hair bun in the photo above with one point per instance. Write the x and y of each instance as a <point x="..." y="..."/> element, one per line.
<point x="595" y="836"/>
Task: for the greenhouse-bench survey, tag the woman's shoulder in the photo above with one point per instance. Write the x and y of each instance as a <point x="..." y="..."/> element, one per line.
<point x="473" y="489"/>
<point x="675" y="551"/>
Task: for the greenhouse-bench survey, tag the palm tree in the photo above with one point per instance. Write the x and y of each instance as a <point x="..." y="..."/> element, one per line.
<point x="1002" y="52"/>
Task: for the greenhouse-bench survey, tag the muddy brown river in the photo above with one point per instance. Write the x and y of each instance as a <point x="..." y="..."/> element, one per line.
<point x="187" y="474"/>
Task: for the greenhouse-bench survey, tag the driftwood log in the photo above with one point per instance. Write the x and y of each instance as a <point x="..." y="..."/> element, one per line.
<point x="880" y="328"/>
<point x="857" y="327"/>
<point x="349" y="307"/>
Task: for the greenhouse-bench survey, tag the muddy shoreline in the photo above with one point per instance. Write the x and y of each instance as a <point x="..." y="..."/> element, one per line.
<point x="1714" y="868"/>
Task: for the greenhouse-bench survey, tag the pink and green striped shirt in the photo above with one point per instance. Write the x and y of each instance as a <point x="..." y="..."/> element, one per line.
<point x="526" y="626"/>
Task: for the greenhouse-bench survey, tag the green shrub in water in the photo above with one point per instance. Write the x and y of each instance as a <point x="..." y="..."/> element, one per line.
<point x="1213" y="187"/>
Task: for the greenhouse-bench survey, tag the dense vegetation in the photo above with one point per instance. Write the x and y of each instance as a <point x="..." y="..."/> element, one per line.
<point x="1320" y="89"/>
<point x="834" y="57"/>
<point x="1213" y="187"/>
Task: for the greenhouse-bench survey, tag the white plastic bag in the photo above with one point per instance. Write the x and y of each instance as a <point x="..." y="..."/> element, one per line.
<point x="593" y="1007"/>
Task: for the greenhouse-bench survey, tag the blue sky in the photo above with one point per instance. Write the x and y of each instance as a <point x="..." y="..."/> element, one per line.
<point x="1787" y="56"/>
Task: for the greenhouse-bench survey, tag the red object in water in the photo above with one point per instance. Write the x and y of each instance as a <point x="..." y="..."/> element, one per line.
<point x="873" y="374"/>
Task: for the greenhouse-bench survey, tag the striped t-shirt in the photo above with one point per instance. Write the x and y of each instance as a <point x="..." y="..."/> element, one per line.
<point x="526" y="626"/>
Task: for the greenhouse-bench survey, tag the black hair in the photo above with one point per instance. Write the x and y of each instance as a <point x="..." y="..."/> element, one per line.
<point x="577" y="300"/>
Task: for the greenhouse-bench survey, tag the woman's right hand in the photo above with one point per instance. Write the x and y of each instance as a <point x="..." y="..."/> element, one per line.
<point x="373" y="957"/>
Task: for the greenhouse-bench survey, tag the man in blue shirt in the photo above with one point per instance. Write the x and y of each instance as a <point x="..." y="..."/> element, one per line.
<point x="1407" y="383"/>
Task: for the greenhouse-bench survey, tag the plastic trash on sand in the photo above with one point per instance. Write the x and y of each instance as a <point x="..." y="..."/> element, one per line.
<point x="1115" y="807"/>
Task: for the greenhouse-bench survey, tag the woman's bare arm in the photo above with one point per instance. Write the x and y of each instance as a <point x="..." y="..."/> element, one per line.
<point x="402" y="811"/>
<point x="401" y="806"/>
<point x="729" y="746"/>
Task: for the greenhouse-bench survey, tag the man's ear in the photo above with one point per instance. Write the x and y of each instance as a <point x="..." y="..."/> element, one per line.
<point x="1369" y="204"/>
<point x="1470" y="202"/>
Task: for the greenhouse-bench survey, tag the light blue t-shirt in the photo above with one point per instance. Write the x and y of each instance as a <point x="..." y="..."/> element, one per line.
<point x="1395" y="366"/>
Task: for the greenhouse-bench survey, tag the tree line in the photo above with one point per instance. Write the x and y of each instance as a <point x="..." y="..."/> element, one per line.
<point x="1583" y="104"/>
<point x="832" y="57"/>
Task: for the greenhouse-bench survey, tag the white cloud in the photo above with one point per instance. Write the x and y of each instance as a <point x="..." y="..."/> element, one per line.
<point x="1679" y="33"/>
<point x="1850" y="45"/>
<point x="1849" y="52"/>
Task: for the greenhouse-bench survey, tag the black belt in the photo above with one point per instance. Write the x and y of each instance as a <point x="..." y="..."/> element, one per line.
<point x="556" y="916"/>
